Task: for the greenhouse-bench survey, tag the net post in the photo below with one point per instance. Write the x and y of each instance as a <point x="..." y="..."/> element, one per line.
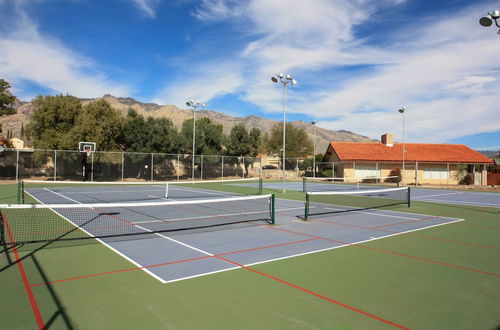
<point x="19" y="192"/>
<point x="3" y="242"/>
<point x="304" y="188"/>
<point x="261" y="186"/>
<point x="166" y="190"/>
<point x="306" y="207"/>
<point x="409" y="197"/>
<point x="273" y="211"/>
<point x="22" y="192"/>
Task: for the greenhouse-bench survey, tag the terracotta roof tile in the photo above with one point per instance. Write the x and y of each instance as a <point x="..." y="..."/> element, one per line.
<point x="415" y="152"/>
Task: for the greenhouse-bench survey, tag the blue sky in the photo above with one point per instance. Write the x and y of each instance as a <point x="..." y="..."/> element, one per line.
<point x="356" y="62"/>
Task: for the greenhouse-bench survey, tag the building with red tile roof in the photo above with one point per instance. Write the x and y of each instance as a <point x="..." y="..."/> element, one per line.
<point x="424" y="163"/>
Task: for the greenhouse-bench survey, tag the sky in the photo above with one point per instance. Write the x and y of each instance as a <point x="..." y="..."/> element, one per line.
<point x="356" y="61"/>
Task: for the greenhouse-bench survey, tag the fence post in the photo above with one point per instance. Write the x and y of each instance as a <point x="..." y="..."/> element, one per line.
<point x="152" y="165"/>
<point x="123" y="163"/>
<point x="297" y="168"/>
<point x="201" y="167"/>
<point x="260" y="164"/>
<point x="178" y="168"/>
<point x="55" y="165"/>
<point x="17" y="165"/>
<point x="91" y="166"/>
<point x="244" y="167"/>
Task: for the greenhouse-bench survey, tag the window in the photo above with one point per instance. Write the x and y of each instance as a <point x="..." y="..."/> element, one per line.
<point x="366" y="171"/>
<point x="438" y="173"/>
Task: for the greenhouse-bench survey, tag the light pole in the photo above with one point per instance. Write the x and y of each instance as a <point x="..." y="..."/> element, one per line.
<point x="195" y="106"/>
<point x="488" y="20"/>
<point x="285" y="80"/>
<point x="402" y="111"/>
<point x="314" y="147"/>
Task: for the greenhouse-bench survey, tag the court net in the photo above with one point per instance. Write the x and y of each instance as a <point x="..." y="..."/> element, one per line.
<point x="328" y="202"/>
<point x="55" y="192"/>
<point x="30" y="223"/>
<point x="329" y="184"/>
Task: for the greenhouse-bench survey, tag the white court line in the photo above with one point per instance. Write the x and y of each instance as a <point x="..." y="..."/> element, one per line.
<point x="100" y="240"/>
<point x="447" y="194"/>
<point x="462" y="202"/>
<point x="315" y="251"/>
<point x="214" y="216"/>
<point x="373" y="213"/>
<point x="140" y="227"/>
<point x="199" y="217"/>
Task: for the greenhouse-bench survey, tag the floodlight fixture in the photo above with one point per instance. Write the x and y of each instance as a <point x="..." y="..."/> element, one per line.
<point x="293" y="82"/>
<point x="402" y="110"/>
<point x="489" y="18"/>
<point x="485" y="21"/>
<point x="288" y="77"/>
<point x="280" y="75"/>
<point x="274" y="79"/>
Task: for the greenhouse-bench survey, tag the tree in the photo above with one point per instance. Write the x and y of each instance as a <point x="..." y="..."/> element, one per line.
<point x="255" y="141"/>
<point x="298" y="143"/>
<point x="6" y="99"/>
<point x="238" y="141"/>
<point x="149" y="135"/>
<point x="52" y="121"/>
<point x="98" y="122"/>
<point x="209" y="137"/>
<point x="134" y="132"/>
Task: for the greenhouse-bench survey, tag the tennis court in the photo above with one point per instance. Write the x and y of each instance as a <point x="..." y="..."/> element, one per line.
<point x="216" y="231"/>
<point x="147" y="233"/>
<point x="488" y="199"/>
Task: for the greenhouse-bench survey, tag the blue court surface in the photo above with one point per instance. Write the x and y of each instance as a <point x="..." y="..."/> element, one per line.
<point x="489" y="199"/>
<point x="179" y="255"/>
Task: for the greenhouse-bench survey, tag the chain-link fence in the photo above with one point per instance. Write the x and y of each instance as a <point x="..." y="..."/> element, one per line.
<point x="60" y="165"/>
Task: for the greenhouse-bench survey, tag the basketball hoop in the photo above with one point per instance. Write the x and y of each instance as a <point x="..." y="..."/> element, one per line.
<point x="87" y="147"/>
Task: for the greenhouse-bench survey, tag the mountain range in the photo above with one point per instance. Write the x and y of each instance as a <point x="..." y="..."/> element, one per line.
<point x="177" y="116"/>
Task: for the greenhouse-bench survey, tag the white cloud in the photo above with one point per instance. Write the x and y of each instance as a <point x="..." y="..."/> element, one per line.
<point x="443" y="70"/>
<point x="146" y="6"/>
<point x="29" y="56"/>
<point x="203" y="83"/>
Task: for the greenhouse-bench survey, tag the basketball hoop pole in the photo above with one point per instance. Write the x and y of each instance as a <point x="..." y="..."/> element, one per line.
<point x="86" y="148"/>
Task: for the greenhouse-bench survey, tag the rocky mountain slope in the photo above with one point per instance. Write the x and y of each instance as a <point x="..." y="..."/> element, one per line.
<point x="323" y="136"/>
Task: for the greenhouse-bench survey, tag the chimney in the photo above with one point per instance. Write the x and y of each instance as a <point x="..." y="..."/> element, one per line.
<point x="387" y="139"/>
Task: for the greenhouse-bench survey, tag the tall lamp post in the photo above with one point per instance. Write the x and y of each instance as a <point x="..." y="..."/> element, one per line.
<point x="488" y="20"/>
<point x="402" y="111"/>
<point x="285" y="80"/>
<point x="314" y="147"/>
<point x="195" y="106"/>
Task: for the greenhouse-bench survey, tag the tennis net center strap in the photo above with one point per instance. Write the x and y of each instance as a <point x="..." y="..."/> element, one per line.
<point x="327" y="202"/>
<point x="49" y="222"/>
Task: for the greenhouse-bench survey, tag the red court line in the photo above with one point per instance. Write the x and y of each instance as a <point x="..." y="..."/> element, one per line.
<point x="404" y="222"/>
<point x="409" y="234"/>
<point x="314" y="294"/>
<point x="391" y="252"/>
<point x="167" y="263"/>
<point x="266" y="247"/>
<point x="120" y="271"/>
<point x="26" y="284"/>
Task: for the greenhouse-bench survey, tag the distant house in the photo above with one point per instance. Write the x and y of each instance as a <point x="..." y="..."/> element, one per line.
<point x="424" y="163"/>
<point x="3" y="142"/>
<point x="17" y="143"/>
